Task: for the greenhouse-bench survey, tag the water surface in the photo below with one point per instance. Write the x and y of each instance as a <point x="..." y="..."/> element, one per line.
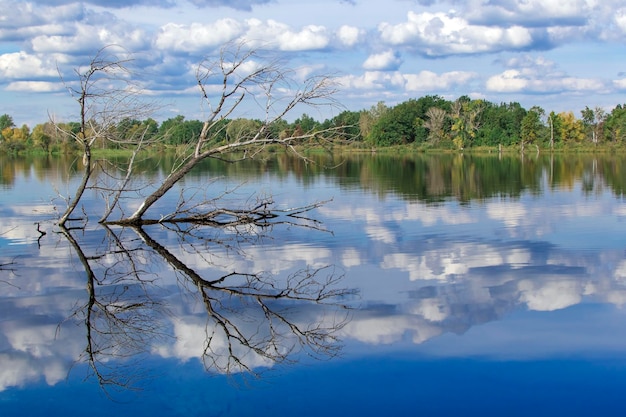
<point x="432" y="285"/>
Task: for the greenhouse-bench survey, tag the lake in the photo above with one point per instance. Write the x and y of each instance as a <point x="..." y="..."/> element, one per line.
<point x="435" y="285"/>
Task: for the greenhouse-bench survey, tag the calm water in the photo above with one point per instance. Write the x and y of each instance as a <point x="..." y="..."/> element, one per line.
<point x="431" y="285"/>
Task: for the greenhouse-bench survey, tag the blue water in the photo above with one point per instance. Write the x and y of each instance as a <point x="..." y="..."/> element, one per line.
<point x="502" y="306"/>
<point x="362" y="386"/>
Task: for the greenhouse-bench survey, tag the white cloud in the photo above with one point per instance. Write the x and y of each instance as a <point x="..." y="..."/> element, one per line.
<point x="531" y="12"/>
<point x="310" y="37"/>
<point x="197" y="37"/>
<point x="360" y="41"/>
<point x="388" y="60"/>
<point x="620" y="19"/>
<point x="34" y="86"/>
<point x="373" y="80"/>
<point x="280" y="36"/>
<point x="620" y="84"/>
<point x="349" y="35"/>
<point x="529" y="80"/>
<point x="441" y="34"/>
<point x="424" y="81"/>
<point x="86" y="38"/>
<point x="20" y="65"/>
<point x="430" y="81"/>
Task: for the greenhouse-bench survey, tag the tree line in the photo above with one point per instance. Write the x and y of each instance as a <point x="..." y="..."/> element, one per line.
<point x="429" y="121"/>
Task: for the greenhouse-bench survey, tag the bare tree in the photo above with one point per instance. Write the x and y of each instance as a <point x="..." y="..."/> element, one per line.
<point x="435" y="124"/>
<point x="239" y="75"/>
<point x="106" y="94"/>
<point x="264" y="84"/>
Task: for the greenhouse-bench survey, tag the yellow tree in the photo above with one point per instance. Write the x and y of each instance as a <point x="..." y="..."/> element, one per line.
<point x="16" y="134"/>
<point x="368" y="118"/>
<point x="571" y="129"/>
<point x="465" y="116"/>
<point x="42" y="135"/>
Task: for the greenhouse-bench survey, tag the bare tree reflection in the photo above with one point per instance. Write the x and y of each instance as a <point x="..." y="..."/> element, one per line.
<point x="233" y="299"/>
<point x="252" y="319"/>
<point x="120" y="315"/>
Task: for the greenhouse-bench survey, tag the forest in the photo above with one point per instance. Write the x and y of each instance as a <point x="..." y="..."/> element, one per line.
<point x="429" y="122"/>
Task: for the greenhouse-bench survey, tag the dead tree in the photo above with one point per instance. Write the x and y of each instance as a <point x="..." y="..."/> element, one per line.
<point x="106" y="94"/>
<point x="239" y="77"/>
<point x="264" y="84"/>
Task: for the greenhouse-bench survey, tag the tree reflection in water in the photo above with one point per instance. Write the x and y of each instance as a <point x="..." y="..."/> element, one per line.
<point x="252" y="319"/>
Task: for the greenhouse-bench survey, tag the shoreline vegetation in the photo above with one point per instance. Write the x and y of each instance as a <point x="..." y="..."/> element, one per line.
<point x="426" y="124"/>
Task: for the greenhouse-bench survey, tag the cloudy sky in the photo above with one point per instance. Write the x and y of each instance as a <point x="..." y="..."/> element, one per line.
<point x="560" y="54"/>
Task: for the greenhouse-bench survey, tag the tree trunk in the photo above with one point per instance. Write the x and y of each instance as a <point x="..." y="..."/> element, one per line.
<point x="81" y="188"/>
<point x="167" y="185"/>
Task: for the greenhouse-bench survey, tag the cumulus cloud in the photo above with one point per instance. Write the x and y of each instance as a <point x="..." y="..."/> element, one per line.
<point x="112" y="3"/>
<point x="373" y="80"/>
<point x="620" y="83"/>
<point x="20" y="65"/>
<point x="271" y="34"/>
<point x="170" y="40"/>
<point x="620" y="19"/>
<point x="424" y="81"/>
<point x="235" y="4"/>
<point x="349" y="36"/>
<point x="541" y="77"/>
<point x="530" y="12"/>
<point x="438" y="34"/>
<point x="430" y="81"/>
<point x="388" y="60"/>
<point x="529" y="82"/>
<point x="197" y="37"/>
<point x="20" y="17"/>
<point x="34" y="86"/>
<point x="86" y="39"/>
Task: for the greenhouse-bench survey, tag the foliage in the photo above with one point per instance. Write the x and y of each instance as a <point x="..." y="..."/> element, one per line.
<point x="571" y="129"/>
<point x="466" y="120"/>
<point x="615" y="125"/>
<point x="404" y="123"/>
<point x="426" y="122"/>
<point x="501" y="124"/>
<point x="531" y="126"/>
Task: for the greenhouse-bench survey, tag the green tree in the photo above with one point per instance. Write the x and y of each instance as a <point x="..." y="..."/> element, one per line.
<point x="242" y="129"/>
<point x="531" y="126"/>
<point x="305" y="124"/>
<point x="615" y="124"/>
<point x="6" y="122"/>
<point x="368" y="118"/>
<point x="404" y="123"/>
<point x="593" y="122"/>
<point x="500" y="124"/>
<point x="346" y="125"/>
<point x="178" y="131"/>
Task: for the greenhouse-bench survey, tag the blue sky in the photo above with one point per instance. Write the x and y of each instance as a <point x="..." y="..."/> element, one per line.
<point x="562" y="55"/>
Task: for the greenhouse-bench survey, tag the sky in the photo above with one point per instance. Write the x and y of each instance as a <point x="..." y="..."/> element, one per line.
<point x="562" y="55"/>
